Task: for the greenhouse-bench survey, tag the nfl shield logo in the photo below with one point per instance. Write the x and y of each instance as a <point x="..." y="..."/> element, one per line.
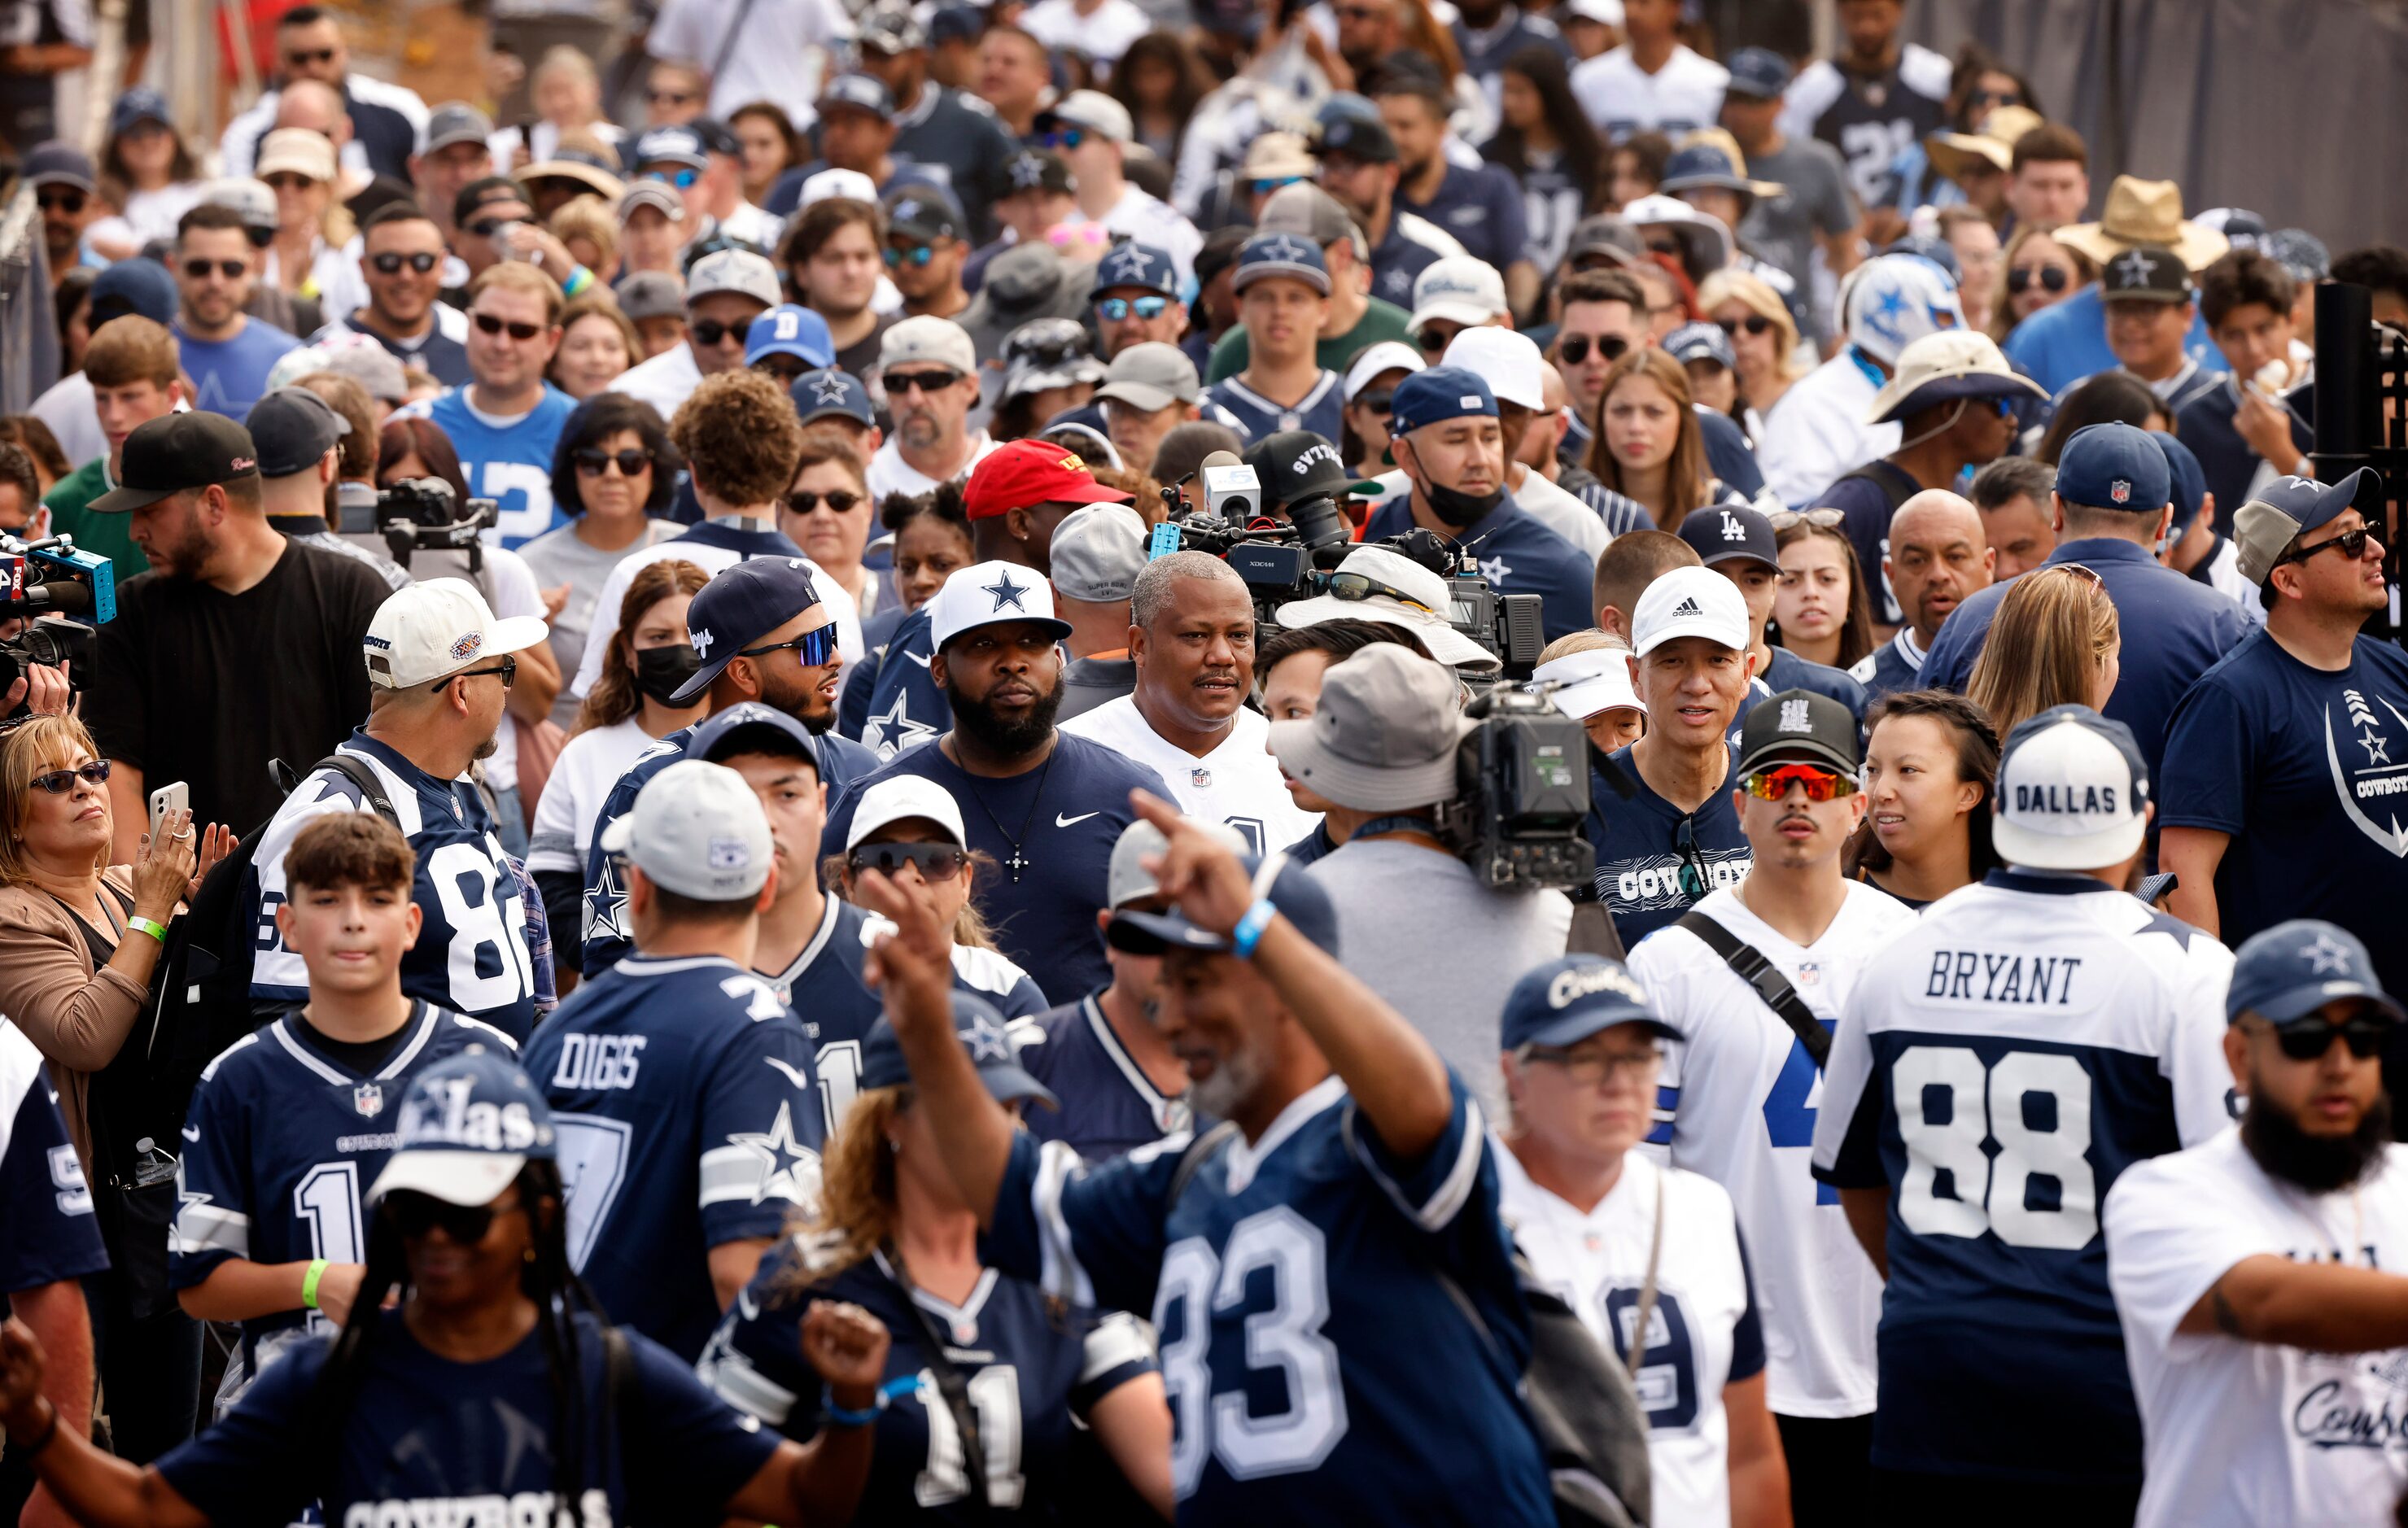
<point x="2120" y="491"/>
<point x="1200" y="778"/>
<point x="368" y="1099"/>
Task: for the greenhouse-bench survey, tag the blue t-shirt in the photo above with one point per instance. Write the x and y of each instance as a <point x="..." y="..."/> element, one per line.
<point x="44" y="1201"/>
<point x="682" y="1098"/>
<point x="2059" y="346"/>
<point x="428" y="1440"/>
<point x="1253" y="416"/>
<point x="1482" y="207"/>
<point x="897" y="707"/>
<point x="1059" y="821"/>
<point x="1110" y="1106"/>
<point x="229" y="375"/>
<point x="509" y="460"/>
<point x="1649" y="871"/>
<point x="1318" y="1369"/>
<point x="1518" y="555"/>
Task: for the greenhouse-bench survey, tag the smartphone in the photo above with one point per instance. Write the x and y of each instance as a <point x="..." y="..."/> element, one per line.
<point x="168" y="798"/>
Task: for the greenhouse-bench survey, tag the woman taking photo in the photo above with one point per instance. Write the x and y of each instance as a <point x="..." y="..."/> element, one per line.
<point x="491" y="1378"/>
<point x="1648" y="447"/>
<point x="1931" y="764"/>
<point x="894" y="1235"/>
<point x="2054" y="642"/>
<point x="147" y="172"/>
<point x="1764" y="340"/>
<point x="79" y="939"/>
<point x="1545" y="139"/>
<point x="597" y="342"/>
<point x="1820" y="609"/>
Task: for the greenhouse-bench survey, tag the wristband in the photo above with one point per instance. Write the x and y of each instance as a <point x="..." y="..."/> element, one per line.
<point x="845" y="1417"/>
<point x="156" y="931"/>
<point x="310" y="1282"/>
<point x="579" y="279"/>
<point x="1249" y="932"/>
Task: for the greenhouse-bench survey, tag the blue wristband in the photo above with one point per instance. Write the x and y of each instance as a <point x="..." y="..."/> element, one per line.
<point x="840" y="1417"/>
<point x="1249" y="932"/>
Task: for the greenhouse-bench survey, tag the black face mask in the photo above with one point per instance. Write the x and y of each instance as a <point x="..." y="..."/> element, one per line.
<point x="1460" y="509"/>
<point x="662" y="672"/>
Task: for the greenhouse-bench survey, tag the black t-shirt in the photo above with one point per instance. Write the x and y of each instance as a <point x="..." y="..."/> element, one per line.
<point x="860" y="358"/>
<point x="204" y="687"/>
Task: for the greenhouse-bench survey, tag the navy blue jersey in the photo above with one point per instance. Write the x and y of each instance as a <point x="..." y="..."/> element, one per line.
<point x="471" y="955"/>
<point x="2227" y="462"/>
<point x="899" y="708"/>
<point x="431" y="1441"/>
<point x="1051" y="833"/>
<point x="682" y="1092"/>
<point x="1897" y="665"/>
<point x="1282" y="1284"/>
<point x="1867" y="497"/>
<point x="1029" y="1368"/>
<point x="1518" y="555"/>
<point x="1395" y="262"/>
<point x="1482" y="207"/>
<point x="1110" y="1106"/>
<point x="44" y="1201"/>
<point x="1252" y="416"/>
<point x="825" y="987"/>
<point x="1785" y="670"/>
<point x="281" y="1141"/>
<point x="1649" y="870"/>
<point x="1485" y="48"/>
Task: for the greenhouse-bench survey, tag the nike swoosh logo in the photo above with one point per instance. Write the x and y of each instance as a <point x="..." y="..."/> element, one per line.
<point x="918" y="658"/>
<point x="190" y="1134"/>
<point x="1062" y="821"/>
<point x="797" y="1078"/>
<point x="749" y="1306"/>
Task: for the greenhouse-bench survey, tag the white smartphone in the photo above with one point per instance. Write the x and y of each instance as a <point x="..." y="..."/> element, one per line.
<point x="168" y="798"/>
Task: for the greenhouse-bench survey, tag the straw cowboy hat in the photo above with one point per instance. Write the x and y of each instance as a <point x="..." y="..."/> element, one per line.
<point x="2144" y="212"/>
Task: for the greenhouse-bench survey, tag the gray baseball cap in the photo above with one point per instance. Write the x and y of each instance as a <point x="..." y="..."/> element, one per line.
<point x="1308" y="211"/>
<point x="1151" y="376"/>
<point x="658" y="195"/>
<point x="1098" y="552"/>
<point x="1384" y="737"/>
<point x="294" y="429"/>
<point x="740" y="271"/>
<point x="696" y="830"/>
<point x="653" y="294"/>
<point x="1128" y="880"/>
<point x="456" y="121"/>
<point x="375" y="369"/>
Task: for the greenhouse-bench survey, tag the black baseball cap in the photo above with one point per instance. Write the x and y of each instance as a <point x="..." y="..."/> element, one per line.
<point x="1798" y="725"/>
<point x="1358" y="137"/>
<point x="490" y="192"/>
<point x="179" y="451"/>
<point x="1296" y="465"/>
<point x="294" y="429"/>
<point x="1723" y="533"/>
<point x="2145" y="273"/>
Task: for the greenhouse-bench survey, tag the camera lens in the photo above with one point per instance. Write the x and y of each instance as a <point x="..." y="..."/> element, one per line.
<point x="1319" y="525"/>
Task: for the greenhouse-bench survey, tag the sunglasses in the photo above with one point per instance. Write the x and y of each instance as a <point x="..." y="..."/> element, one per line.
<point x="1996" y="98"/>
<point x="1381" y="404"/>
<point x="508" y="668"/>
<point x="2352" y="545"/>
<point x="1362" y="586"/>
<point x="415" y="1214"/>
<point x="935" y="862"/>
<point x="314" y="55"/>
<point x="1066" y="137"/>
<point x="69" y="202"/>
<point x="1665" y="247"/>
<point x="785" y="368"/>
<point x="815" y="648"/>
<point x="927" y="381"/>
<point x="2310" y="1037"/>
<point x="916" y="255"/>
<point x="1821" y="784"/>
<point x="1113" y="309"/>
<point x="1694" y="880"/>
<point x="492" y="325"/>
<point x="58" y="783"/>
<point x="390" y="262"/>
<point x="1433" y="341"/>
<point x="2051" y="277"/>
<point x="1823" y="518"/>
<point x="232" y="270"/>
<point x="709" y="332"/>
<point x="289" y="181"/>
<point x="683" y="178"/>
<point x="668" y="98"/>
<point x="1573" y="349"/>
<point x="1755" y="324"/>
<point x="594" y="464"/>
<point x="840" y="500"/>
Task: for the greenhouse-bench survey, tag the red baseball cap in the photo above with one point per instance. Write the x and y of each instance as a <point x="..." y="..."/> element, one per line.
<point x="1021" y="473"/>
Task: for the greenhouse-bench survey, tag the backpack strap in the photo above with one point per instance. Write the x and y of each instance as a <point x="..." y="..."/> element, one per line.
<point x="1750" y="965"/>
<point x="1200" y="1152"/>
<point x="359" y="774"/>
<point x="951" y="1383"/>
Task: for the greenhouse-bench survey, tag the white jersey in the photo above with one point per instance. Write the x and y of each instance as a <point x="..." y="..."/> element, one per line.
<point x="711" y="558"/>
<point x="2251" y="1433"/>
<point x="1622" y="98"/>
<point x="1103" y="34"/>
<point x="1817" y="433"/>
<point x="1238" y="783"/>
<point x="665" y="382"/>
<point x="1705" y="1332"/>
<point x="1736" y="1102"/>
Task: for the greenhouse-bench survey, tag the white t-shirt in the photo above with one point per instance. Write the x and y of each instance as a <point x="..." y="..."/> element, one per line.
<point x="2251" y="1433"/>
<point x="777" y="59"/>
<point x="1238" y="783"/>
<point x="333" y="279"/>
<point x="1705" y="1332"/>
<point x="1736" y="1103"/>
<point x="665" y="382"/>
<point x="582" y="779"/>
<point x="890" y="474"/>
<point x="1622" y="98"/>
<point x="754" y="225"/>
<point x="1816" y="433"/>
<point x="709" y="559"/>
<point x="74" y="419"/>
<point x="1148" y="219"/>
<point x="148" y="215"/>
<point x="1103" y="37"/>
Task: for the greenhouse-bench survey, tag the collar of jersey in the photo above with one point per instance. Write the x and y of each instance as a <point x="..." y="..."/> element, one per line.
<point x="2047" y="884"/>
<point x="392" y="760"/>
<point x="1111" y="1043"/>
<point x="1246" y="1159"/>
<point x="287" y="1034"/>
<point x="2093" y="550"/>
<point x="653" y="965"/>
<point x="953" y="1314"/>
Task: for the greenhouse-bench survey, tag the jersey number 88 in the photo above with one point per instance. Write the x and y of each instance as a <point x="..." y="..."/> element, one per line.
<point x="2034" y="1106"/>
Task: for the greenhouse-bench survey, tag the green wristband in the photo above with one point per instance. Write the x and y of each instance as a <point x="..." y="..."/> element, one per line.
<point x="310" y="1282"/>
<point x="156" y="931"/>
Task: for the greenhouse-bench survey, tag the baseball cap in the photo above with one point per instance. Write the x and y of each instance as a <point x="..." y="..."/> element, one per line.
<point x="2296" y="967"/>
<point x="1689" y="601"/>
<point x="927" y="338"/>
<point x="1277" y="156"/>
<point x="740" y="271"/>
<point x="679" y="145"/>
<point x="1895" y="300"/>
<point x="429" y="631"/>
<point x="1134" y="264"/>
<point x="1726" y="532"/>
<point x="653" y="294"/>
<point x="1384" y="735"/>
<point x="133" y="286"/>
<point x="251" y="198"/>
<point x="2114" y="466"/>
<point x="750" y="727"/>
<point x="790" y="329"/>
<point x="826" y="185"/>
<point x="1757" y="72"/>
<point x="490" y="191"/>
<point x="137" y="106"/>
<point x="1098" y="552"/>
<point x="830" y="392"/>
<point x="1395" y="591"/>
<point x="1299" y="898"/>
<point x="1509" y="359"/>
<point x="697" y="829"/>
<point x="1459" y="289"/>
<point x="988" y="594"/>
<point x="660" y="198"/>
<point x="456" y="121"/>
<point x="1798" y="725"/>
<point x="922" y="212"/>
<point x="1603" y="12"/>
<point x="2145" y="273"/>
<point x="1437" y="394"/>
<point x="740" y="606"/>
<point x="955" y="23"/>
<point x="372" y="366"/>
<point x="1151" y="376"/>
<point x="2300" y="252"/>
<point x="2072" y="793"/>
<point x="2188" y="482"/>
<point x="1943" y="366"/>
<point x="1127" y="879"/>
<point x="984" y="1034"/>
<point x="295" y="150"/>
<point x="899" y="798"/>
<point x="1704" y="164"/>
<point x="889" y="29"/>
<point x="469" y="1124"/>
<point x="1588" y="683"/>
<point x="1364" y="138"/>
<point x="1387" y="355"/>
<point x="168" y="456"/>
<point x="1572" y="998"/>
<point x="2284" y="509"/>
<point x="1296" y="465"/>
<point x="1037" y="169"/>
<point x="1266" y="255"/>
<point x="1018" y="474"/>
<point x="1305" y="210"/>
<point x="57" y="163"/>
<point x="1094" y="110"/>
<point x="1701" y="342"/>
<point x="1606" y="235"/>
<point x="294" y="429"/>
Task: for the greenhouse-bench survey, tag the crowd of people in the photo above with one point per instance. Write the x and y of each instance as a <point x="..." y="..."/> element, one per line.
<point x="547" y="972"/>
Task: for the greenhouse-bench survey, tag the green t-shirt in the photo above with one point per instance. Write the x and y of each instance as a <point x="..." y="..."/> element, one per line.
<point x="107" y="535"/>
<point x="1380" y="322"/>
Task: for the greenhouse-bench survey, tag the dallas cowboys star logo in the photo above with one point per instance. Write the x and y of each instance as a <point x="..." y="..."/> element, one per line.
<point x="1397" y="281"/>
<point x="828" y="388"/>
<point x="1886" y="312"/>
<point x="1136" y="261"/>
<point x="605" y="905"/>
<point x="2378" y="748"/>
<point x="988" y="1041"/>
<point x="788" y="1169"/>
<point x="1027" y="171"/>
<point x="1495" y="570"/>
<point x="2135" y="268"/>
<point x="2327" y="954"/>
<point x="892" y="731"/>
<point x="1283" y="247"/>
<point x="1006" y="593"/>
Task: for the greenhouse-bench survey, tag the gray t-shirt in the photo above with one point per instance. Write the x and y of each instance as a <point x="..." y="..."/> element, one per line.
<point x="559" y="557"/>
<point x="1782" y="229"/>
<point x="1443" y="949"/>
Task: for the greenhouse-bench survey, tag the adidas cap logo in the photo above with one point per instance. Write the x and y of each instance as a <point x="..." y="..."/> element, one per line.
<point x="1687" y="607"/>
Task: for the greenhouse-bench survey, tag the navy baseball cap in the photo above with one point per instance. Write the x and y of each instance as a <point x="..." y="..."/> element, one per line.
<point x="2290" y="970"/>
<point x="2286" y="509"/>
<point x="1723" y="533"/>
<point x="750" y="728"/>
<point x="137" y="106"/>
<point x="1757" y="72"/>
<point x="955" y="23"/>
<point x="1140" y="266"/>
<point x="294" y="429"/>
<point x="1701" y="342"/>
<point x="1572" y="998"/>
<point x="861" y="91"/>
<point x="469" y="1123"/>
<point x="985" y="1034"/>
<point x="57" y="163"/>
<point x="140" y="287"/>
<point x="2189" y="483"/>
<point x="1267" y="255"/>
<point x="740" y="607"/>
<point x="1437" y="394"/>
<point x="924" y="212"/>
<point x="2114" y="466"/>
<point x="829" y="392"/>
<point x="1299" y="897"/>
<point x="1356" y="136"/>
<point x="679" y="145"/>
<point x="790" y="329"/>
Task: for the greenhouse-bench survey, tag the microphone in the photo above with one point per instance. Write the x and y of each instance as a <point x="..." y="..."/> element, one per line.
<point x="61" y="596"/>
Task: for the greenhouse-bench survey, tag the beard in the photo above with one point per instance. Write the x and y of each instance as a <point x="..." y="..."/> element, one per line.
<point x="2318" y="1163"/>
<point x="799" y="697"/>
<point x="1010" y="738"/>
<point x="1235" y="1078"/>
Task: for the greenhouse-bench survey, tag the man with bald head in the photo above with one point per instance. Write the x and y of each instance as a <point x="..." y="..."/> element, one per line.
<point x="386" y="120"/>
<point x="317" y="107"/>
<point x="1938" y="555"/>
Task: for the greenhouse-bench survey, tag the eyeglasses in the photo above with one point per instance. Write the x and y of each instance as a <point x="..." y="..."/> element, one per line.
<point x="814" y="647"/>
<point x="2352" y="545"/>
<point x="668" y="98"/>
<point x="69" y="202"/>
<point x="508" y="668"/>
<point x="1113" y="309"/>
<point x="488" y="324"/>
<point x="927" y="381"/>
<point x="304" y="59"/>
<point x="415" y="1214"/>
<point x="840" y="500"/>
<point x="1784" y="519"/>
<point x="914" y="254"/>
<point x="2051" y="277"/>
<point x="709" y="332"/>
<point x="1821" y="784"/>
<point x="389" y="262"/>
<point x="2309" y="1038"/>
<point x="232" y="270"/>
<point x="594" y="464"/>
<point x="1434" y="340"/>
<point x="1066" y="137"/>
<point x="1362" y="586"/>
<point x="1755" y="324"/>
<point x="1596" y="1068"/>
<point x="683" y="178"/>
<point x="58" y="783"/>
<point x="1694" y="880"/>
<point x="935" y="862"/>
<point x="1573" y="349"/>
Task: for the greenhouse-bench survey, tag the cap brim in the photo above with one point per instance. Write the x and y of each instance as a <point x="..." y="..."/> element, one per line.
<point x="2020" y="846"/>
<point x="1144" y="395"/>
<point x="1723" y="182"/>
<point x="118" y="501"/>
<point x="1445" y="644"/>
<point x="456" y="1178"/>
<point x="1058" y="630"/>
<point x="513" y="634"/>
<point x="694" y="688"/>
<point x="1739" y="554"/>
<point x="1454" y="311"/>
<point x="599" y="181"/>
<point x="1585" y="698"/>
<point x="1572" y="1028"/>
<point x="2308" y="997"/>
<point x="1892" y="406"/>
<point x="1159" y="932"/>
<point x="1793" y="749"/>
<point x="1009" y="1083"/>
<point x="2195" y="247"/>
<point x="1303" y="752"/>
<point x="1317" y="279"/>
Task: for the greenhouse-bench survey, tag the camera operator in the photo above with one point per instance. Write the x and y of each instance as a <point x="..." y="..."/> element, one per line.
<point x="299" y="436"/>
<point x="1290" y="668"/>
<point x="1381" y="748"/>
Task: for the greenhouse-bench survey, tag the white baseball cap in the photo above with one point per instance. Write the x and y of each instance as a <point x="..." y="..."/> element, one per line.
<point x="852" y="185"/>
<point x="1689" y="601"/>
<point x="697" y="829"/>
<point x="988" y="594"/>
<point x="1510" y="361"/>
<point x="425" y="631"/>
<point x="927" y="338"/>
<point x="1395" y="579"/>
<point x="1589" y="684"/>
<point x="1460" y="289"/>
<point x="740" y="271"/>
<point x="1387" y="355"/>
<point x="900" y="796"/>
<point x="2073" y="793"/>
